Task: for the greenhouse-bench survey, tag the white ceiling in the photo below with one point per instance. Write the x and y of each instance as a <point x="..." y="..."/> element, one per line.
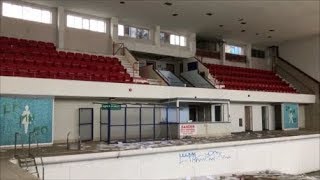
<point x="290" y="19"/>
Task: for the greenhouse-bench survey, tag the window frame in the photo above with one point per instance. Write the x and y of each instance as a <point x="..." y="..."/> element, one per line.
<point x="233" y="49"/>
<point x="24" y="8"/>
<point x="87" y="19"/>
<point x="173" y="37"/>
<point x="127" y="32"/>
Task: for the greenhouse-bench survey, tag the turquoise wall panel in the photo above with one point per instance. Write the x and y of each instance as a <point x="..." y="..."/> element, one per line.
<point x="290" y="115"/>
<point x="25" y="115"/>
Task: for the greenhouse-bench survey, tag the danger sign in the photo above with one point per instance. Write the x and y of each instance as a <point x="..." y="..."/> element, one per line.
<point x="188" y="129"/>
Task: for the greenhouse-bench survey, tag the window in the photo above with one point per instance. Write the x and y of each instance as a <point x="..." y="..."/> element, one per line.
<point x="257" y="53"/>
<point x="86" y="23"/>
<point x="120" y="30"/>
<point x="165" y="37"/>
<point x="234" y="50"/>
<point x="133" y="32"/>
<point x="26" y="13"/>
<point x="172" y="39"/>
<point x="217" y="113"/>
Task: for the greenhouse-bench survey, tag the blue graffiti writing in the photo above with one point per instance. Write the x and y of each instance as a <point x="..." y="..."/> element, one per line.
<point x="197" y="157"/>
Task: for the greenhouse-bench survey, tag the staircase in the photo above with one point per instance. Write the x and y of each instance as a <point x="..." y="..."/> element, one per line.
<point x="134" y="73"/>
<point x="27" y="160"/>
<point x="28" y="163"/>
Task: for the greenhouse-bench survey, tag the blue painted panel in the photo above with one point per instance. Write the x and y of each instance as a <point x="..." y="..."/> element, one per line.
<point x="290" y="115"/>
<point x="25" y="115"/>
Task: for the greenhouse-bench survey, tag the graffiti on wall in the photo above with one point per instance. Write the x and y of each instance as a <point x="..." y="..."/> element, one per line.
<point x="25" y="115"/>
<point x="197" y="157"/>
<point x="290" y="115"/>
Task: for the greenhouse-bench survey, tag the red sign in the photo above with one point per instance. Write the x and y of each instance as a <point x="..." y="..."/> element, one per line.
<point x="188" y="129"/>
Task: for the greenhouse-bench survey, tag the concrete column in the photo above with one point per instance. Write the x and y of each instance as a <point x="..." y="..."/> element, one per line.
<point x="61" y="26"/>
<point x="156" y="36"/>
<point x="223" y="53"/>
<point x="248" y="54"/>
<point x="192" y="42"/>
<point x="114" y="29"/>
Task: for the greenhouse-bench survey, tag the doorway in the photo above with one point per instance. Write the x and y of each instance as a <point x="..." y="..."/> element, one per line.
<point x="248" y="118"/>
<point x="193" y="113"/>
<point x="278" y="117"/>
<point x="86" y="124"/>
<point x="265" y="117"/>
<point x="151" y="63"/>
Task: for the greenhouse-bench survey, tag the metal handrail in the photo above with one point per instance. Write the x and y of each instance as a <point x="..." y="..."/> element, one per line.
<point x="29" y="142"/>
<point x="121" y="47"/>
<point x="68" y="145"/>
<point x="15" y="143"/>
<point x="40" y="156"/>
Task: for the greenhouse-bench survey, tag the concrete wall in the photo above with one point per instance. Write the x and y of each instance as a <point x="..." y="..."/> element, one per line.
<point x="88" y="41"/>
<point x="73" y="88"/>
<point x="304" y="84"/>
<point x="72" y="39"/>
<point x="304" y="54"/>
<point x="17" y="28"/>
<point x="237" y="112"/>
<point x="66" y="119"/>
<point x="153" y="44"/>
<point x="291" y="155"/>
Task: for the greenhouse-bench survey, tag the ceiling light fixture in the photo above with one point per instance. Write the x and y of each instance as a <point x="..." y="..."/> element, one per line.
<point x="209" y="14"/>
<point x="175" y="14"/>
<point x="168" y="3"/>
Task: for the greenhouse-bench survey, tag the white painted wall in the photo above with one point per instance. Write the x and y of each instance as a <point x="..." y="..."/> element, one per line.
<point x="153" y="45"/>
<point x="88" y="41"/>
<point x="237" y="112"/>
<point x="73" y="88"/>
<point x="292" y="155"/>
<point x="66" y="118"/>
<point x="302" y="116"/>
<point x="17" y="28"/>
<point x="304" y="54"/>
<point x="260" y="63"/>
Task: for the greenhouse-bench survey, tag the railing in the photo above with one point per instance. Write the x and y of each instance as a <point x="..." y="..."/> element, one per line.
<point x="132" y="60"/>
<point x="116" y="47"/>
<point x="15" y="143"/>
<point x="40" y="157"/>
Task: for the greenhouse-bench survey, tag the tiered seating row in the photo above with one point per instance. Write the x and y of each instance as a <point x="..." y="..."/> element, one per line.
<point x="41" y="60"/>
<point x="249" y="79"/>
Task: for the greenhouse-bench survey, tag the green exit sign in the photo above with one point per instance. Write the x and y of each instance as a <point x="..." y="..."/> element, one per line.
<point x="111" y="106"/>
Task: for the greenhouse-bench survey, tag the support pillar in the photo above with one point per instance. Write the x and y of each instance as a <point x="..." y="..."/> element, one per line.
<point x="61" y="25"/>
<point x="248" y="55"/>
<point x="223" y="53"/>
<point x="156" y="36"/>
<point x="114" y="29"/>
